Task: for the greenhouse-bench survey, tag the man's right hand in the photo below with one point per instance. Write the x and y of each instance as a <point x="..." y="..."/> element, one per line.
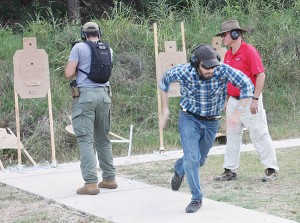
<point x="164" y="118"/>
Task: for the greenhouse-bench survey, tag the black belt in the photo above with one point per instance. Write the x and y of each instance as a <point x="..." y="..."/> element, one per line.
<point x="236" y="97"/>
<point x="205" y="118"/>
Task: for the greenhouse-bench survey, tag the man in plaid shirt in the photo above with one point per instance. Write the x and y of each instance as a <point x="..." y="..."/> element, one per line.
<point x="203" y="87"/>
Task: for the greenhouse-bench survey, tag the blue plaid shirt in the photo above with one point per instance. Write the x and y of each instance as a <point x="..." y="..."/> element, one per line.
<point x="206" y="97"/>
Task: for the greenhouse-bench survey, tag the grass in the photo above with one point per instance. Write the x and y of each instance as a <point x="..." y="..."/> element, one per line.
<point x="34" y="209"/>
<point x="275" y="31"/>
<point x="279" y="198"/>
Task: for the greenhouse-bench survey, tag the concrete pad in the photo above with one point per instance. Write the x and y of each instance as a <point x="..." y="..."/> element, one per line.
<point x="133" y="201"/>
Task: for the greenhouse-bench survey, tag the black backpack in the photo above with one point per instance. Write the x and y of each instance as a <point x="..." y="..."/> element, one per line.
<point x="101" y="64"/>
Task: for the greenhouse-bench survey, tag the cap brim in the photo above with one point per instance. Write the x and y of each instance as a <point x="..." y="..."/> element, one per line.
<point x="242" y="30"/>
<point x="211" y="62"/>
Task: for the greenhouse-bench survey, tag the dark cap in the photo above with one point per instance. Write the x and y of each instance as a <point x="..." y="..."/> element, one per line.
<point x="207" y="55"/>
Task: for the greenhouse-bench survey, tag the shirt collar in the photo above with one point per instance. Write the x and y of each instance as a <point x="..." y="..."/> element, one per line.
<point x="241" y="49"/>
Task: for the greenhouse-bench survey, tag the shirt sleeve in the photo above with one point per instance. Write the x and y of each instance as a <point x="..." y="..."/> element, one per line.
<point x="254" y="61"/>
<point x="74" y="54"/>
<point x="175" y="74"/>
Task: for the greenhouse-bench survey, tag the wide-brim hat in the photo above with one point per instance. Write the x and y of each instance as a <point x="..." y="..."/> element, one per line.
<point x="230" y="25"/>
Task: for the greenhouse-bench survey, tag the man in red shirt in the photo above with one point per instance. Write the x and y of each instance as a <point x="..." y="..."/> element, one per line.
<point x="245" y="58"/>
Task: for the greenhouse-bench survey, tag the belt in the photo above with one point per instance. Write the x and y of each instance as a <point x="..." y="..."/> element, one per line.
<point x="205" y="118"/>
<point x="236" y="97"/>
<point x="99" y="88"/>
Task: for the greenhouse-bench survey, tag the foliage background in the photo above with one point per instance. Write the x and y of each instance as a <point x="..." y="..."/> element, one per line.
<point x="273" y="28"/>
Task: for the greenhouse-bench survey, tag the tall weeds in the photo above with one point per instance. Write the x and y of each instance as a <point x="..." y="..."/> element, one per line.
<point x="273" y="30"/>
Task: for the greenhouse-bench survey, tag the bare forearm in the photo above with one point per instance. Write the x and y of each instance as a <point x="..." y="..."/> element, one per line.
<point x="164" y="100"/>
<point x="70" y="69"/>
<point x="164" y="116"/>
<point x="259" y="86"/>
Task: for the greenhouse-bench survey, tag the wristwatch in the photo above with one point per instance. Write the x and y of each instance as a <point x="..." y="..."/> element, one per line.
<point x="255" y="98"/>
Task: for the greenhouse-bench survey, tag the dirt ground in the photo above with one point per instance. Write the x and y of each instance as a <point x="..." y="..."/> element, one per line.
<point x="279" y="198"/>
<point x="17" y="206"/>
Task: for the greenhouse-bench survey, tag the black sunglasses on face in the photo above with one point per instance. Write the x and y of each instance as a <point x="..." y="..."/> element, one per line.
<point x="206" y="68"/>
<point x="224" y="34"/>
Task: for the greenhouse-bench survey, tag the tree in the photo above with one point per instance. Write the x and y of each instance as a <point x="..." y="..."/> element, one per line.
<point x="73" y="9"/>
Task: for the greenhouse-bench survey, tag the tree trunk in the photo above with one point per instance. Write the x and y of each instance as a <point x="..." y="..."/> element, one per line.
<point x="73" y="9"/>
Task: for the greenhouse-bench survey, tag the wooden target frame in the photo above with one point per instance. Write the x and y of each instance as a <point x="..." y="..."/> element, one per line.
<point x="32" y="80"/>
<point x="164" y="61"/>
<point x="217" y="44"/>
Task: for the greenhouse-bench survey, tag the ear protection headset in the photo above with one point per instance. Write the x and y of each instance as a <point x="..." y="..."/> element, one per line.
<point x="83" y="34"/>
<point x="194" y="59"/>
<point x="234" y="34"/>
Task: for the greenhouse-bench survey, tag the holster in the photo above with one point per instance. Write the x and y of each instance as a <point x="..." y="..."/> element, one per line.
<point x="74" y="89"/>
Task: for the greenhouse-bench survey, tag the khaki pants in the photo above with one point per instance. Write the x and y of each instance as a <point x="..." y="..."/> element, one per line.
<point x="259" y="135"/>
<point x="91" y="124"/>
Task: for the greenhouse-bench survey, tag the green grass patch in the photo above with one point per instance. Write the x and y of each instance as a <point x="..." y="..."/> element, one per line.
<point x="273" y="29"/>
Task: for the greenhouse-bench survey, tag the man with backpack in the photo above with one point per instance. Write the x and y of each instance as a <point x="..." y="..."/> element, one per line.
<point x="91" y="108"/>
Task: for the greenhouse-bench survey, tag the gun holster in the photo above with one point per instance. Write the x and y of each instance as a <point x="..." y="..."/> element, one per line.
<point x="74" y="89"/>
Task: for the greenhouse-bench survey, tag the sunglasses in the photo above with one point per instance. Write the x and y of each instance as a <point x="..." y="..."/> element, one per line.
<point x="224" y="34"/>
<point x="206" y="68"/>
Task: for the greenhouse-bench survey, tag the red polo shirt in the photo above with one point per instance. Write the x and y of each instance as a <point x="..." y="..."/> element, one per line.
<point x="246" y="59"/>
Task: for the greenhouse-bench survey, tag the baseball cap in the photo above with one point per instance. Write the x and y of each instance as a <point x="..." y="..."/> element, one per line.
<point x="90" y="27"/>
<point x="207" y="55"/>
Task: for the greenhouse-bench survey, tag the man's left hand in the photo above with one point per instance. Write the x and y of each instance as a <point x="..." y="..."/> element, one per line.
<point x="254" y="106"/>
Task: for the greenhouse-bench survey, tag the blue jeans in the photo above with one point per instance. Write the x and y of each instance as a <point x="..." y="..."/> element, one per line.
<point x="197" y="137"/>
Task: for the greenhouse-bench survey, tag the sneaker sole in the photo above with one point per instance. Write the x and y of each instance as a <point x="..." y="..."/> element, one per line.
<point x="176" y="188"/>
<point x="88" y="193"/>
<point x="228" y="179"/>
<point x="268" y="180"/>
<point x="108" y="186"/>
<point x="232" y="178"/>
<point x="189" y="211"/>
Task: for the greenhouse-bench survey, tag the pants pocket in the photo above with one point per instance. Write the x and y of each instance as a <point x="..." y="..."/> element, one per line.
<point x="107" y="123"/>
<point x="258" y="126"/>
<point x="79" y="125"/>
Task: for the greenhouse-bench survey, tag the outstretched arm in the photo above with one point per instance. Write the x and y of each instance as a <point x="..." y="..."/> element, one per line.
<point x="165" y="109"/>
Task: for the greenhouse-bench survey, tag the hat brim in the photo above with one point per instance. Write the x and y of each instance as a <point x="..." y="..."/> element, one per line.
<point x="211" y="62"/>
<point x="242" y="30"/>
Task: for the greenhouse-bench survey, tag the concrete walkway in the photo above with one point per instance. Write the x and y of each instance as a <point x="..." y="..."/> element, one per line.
<point x="133" y="201"/>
